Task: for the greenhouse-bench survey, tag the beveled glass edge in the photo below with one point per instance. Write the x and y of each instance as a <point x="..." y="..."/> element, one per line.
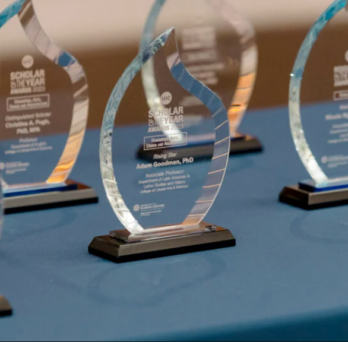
<point x="249" y="61"/>
<point x="77" y="75"/>
<point x="5" y="16"/>
<point x="219" y="162"/>
<point x="106" y="160"/>
<point x="10" y="11"/>
<point x="35" y="33"/>
<point x="299" y="137"/>
<point x="214" y="104"/>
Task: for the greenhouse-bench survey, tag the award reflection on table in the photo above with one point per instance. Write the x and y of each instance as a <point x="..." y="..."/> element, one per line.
<point x="44" y="104"/>
<point x="161" y="203"/>
<point x="319" y="112"/>
<point x="217" y="45"/>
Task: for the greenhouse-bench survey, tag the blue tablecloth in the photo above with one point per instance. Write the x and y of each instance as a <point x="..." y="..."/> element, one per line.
<point x="286" y="279"/>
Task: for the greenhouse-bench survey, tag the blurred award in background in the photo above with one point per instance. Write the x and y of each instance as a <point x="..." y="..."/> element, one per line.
<point x="44" y="110"/>
<point x="217" y="46"/>
<point x="162" y="203"/>
<point x="319" y="112"/>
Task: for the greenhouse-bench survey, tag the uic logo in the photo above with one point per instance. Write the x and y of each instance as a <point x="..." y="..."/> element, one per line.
<point x="27" y="61"/>
<point x="166" y="98"/>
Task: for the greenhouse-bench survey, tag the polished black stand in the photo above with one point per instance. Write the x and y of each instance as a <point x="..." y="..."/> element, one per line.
<point x="73" y="194"/>
<point x="245" y="144"/>
<point x="5" y="307"/>
<point x="241" y="145"/>
<point x="118" y="251"/>
<point x="308" y="200"/>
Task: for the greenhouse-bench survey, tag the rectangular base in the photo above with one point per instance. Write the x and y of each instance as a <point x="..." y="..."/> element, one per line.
<point x="307" y="200"/>
<point x="80" y="194"/>
<point x="5" y="307"/>
<point x="247" y="144"/>
<point x="241" y="145"/>
<point x="334" y="184"/>
<point x="118" y="251"/>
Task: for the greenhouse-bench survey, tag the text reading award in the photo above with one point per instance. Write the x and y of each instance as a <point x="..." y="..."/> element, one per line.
<point x="217" y="46"/>
<point x="319" y="112"/>
<point x="161" y="203"/>
<point x="44" y="110"/>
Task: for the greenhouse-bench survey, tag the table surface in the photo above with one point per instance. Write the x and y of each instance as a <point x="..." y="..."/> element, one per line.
<point x="286" y="278"/>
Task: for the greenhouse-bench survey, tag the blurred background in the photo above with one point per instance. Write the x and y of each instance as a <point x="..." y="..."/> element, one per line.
<point x="104" y="36"/>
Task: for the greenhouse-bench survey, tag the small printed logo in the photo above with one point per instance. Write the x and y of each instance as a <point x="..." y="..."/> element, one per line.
<point x="324" y="160"/>
<point x="136" y="208"/>
<point x="2" y="166"/>
<point x="27" y="61"/>
<point x="166" y="98"/>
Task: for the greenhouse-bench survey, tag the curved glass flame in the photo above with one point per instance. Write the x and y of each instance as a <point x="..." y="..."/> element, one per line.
<point x="248" y="67"/>
<point x="222" y="137"/>
<point x="26" y="14"/>
<point x="297" y="130"/>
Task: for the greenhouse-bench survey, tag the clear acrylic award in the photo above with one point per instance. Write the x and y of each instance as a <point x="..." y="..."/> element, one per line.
<point x="217" y="45"/>
<point x="44" y="110"/>
<point x="161" y="203"/>
<point x="319" y="112"/>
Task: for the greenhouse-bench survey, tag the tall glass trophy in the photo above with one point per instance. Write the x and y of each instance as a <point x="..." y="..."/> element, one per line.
<point x="217" y="45"/>
<point x="319" y="112"/>
<point x="161" y="203"/>
<point x="44" y="110"/>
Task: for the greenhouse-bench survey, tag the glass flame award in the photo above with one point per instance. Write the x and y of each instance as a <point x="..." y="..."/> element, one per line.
<point x="161" y="203"/>
<point x="217" y="45"/>
<point x="319" y="112"/>
<point x="44" y="110"/>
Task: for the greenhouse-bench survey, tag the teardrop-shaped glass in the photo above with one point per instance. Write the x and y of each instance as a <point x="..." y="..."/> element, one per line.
<point x="173" y="189"/>
<point x="217" y="46"/>
<point x="43" y="103"/>
<point x="319" y="97"/>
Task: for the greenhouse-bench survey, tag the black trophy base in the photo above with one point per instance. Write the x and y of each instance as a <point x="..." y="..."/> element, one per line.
<point x="242" y="145"/>
<point x="5" y="307"/>
<point x="118" y="251"/>
<point x="75" y="194"/>
<point x="307" y="200"/>
<point x="246" y="144"/>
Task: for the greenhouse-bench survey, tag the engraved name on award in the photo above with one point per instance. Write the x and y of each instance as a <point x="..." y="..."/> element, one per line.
<point x="44" y="110"/>
<point x="217" y="45"/>
<point x="319" y="112"/>
<point x="161" y="203"/>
